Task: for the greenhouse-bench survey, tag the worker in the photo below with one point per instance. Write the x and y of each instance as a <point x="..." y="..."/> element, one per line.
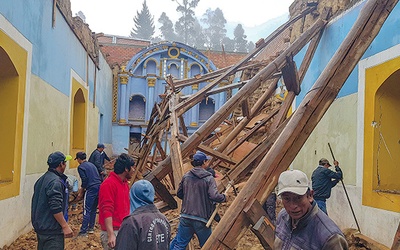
<point x="323" y="180"/>
<point x="114" y="200"/>
<point x="198" y="191"/>
<point x="97" y="157"/>
<point x="50" y="204"/>
<point x="145" y="228"/>
<point x="301" y="224"/>
<point x="90" y="191"/>
<point x="73" y="188"/>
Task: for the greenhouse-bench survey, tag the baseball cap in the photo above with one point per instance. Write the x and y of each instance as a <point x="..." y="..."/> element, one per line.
<point x="80" y="155"/>
<point x="324" y="161"/>
<point x="200" y="156"/>
<point x="56" y="158"/>
<point x="293" y="181"/>
<point x="100" y="145"/>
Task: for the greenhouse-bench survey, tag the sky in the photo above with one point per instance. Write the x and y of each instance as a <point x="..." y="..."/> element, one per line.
<point x="116" y="17"/>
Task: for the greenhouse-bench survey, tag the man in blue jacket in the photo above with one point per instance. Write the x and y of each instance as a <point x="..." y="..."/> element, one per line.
<point x="97" y="157"/>
<point x="198" y="191"/>
<point x="50" y="204"/>
<point x="323" y="180"/>
<point x="90" y="189"/>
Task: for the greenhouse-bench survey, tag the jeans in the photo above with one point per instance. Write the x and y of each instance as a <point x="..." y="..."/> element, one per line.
<point x="50" y="241"/>
<point x="322" y="205"/>
<point x="90" y="209"/>
<point x="186" y="229"/>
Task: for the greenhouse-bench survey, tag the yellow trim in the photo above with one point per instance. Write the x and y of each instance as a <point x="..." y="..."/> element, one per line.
<point x="382" y="91"/>
<point x="78" y="122"/>
<point x="12" y="96"/>
<point x="175" y="49"/>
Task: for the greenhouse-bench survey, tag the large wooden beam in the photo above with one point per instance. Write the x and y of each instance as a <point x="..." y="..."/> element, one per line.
<point x="215" y="120"/>
<point x="312" y="108"/>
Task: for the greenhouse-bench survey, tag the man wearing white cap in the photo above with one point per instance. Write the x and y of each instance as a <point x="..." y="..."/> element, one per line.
<point x="301" y="224"/>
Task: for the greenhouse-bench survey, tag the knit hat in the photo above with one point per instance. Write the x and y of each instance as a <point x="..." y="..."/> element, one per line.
<point x="141" y="194"/>
<point x="293" y="181"/>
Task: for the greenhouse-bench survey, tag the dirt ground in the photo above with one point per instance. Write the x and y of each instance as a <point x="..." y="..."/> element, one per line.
<point x="249" y="241"/>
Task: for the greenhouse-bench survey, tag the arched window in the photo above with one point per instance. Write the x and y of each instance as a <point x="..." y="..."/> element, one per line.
<point x="137" y="108"/>
<point x="173" y="69"/>
<point x="79" y="114"/>
<point x="151" y="67"/>
<point x="194" y="70"/>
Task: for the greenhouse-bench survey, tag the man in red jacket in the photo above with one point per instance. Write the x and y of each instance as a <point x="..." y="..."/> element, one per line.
<point x="114" y="200"/>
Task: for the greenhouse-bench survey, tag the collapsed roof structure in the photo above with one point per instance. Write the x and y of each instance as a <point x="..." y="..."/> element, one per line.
<point x="253" y="138"/>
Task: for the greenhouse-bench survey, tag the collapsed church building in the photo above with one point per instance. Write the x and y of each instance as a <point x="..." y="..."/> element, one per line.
<point x="328" y="75"/>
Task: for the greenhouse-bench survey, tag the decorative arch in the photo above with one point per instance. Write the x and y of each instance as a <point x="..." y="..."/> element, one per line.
<point x="381" y="188"/>
<point x="150" y="66"/>
<point x="137" y="108"/>
<point x="195" y="69"/>
<point x="169" y="50"/>
<point x="13" y="80"/>
<point x="78" y="119"/>
<point x="173" y="69"/>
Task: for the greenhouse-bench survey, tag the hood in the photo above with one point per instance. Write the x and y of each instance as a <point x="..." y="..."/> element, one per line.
<point x="200" y="172"/>
<point x="141" y="194"/>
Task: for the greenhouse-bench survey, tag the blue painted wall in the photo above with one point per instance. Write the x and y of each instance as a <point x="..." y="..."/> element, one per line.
<point x="333" y="36"/>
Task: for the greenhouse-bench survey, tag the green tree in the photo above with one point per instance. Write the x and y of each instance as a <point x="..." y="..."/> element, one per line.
<point x="185" y="26"/>
<point x="240" y="39"/>
<point x="199" y="38"/>
<point x="167" y="28"/>
<point x="144" y="24"/>
<point x="250" y="46"/>
<point x="229" y="44"/>
<point x="215" y="32"/>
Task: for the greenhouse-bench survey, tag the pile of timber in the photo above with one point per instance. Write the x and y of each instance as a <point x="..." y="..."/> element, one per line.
<point x="231" y="141"/>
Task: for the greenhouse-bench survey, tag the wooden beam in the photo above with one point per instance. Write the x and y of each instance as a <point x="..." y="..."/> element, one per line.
<point x="262" y="227"/>
<point x="290" y="76"/>
<point x="211" y="152"/>
<point x="213" y="122"/>
<point x="310" y="111"/>
<point x="245" y="108"/>
<point x="175" y="146"/>
<point x="163" y="192"/>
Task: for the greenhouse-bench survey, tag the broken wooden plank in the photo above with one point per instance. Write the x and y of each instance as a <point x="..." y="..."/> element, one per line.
<point x="263" y="228"/>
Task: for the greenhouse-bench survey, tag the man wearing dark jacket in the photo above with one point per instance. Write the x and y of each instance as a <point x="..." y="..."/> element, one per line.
<point x="198" y="191"/>
<point x="50" y="204"/>
<point x="97" y="158"/>
<point x="301" y="224"/>
<point x="323" y="180"/>
<point x="145" y="228"/>
<point x="90" y="189"/>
